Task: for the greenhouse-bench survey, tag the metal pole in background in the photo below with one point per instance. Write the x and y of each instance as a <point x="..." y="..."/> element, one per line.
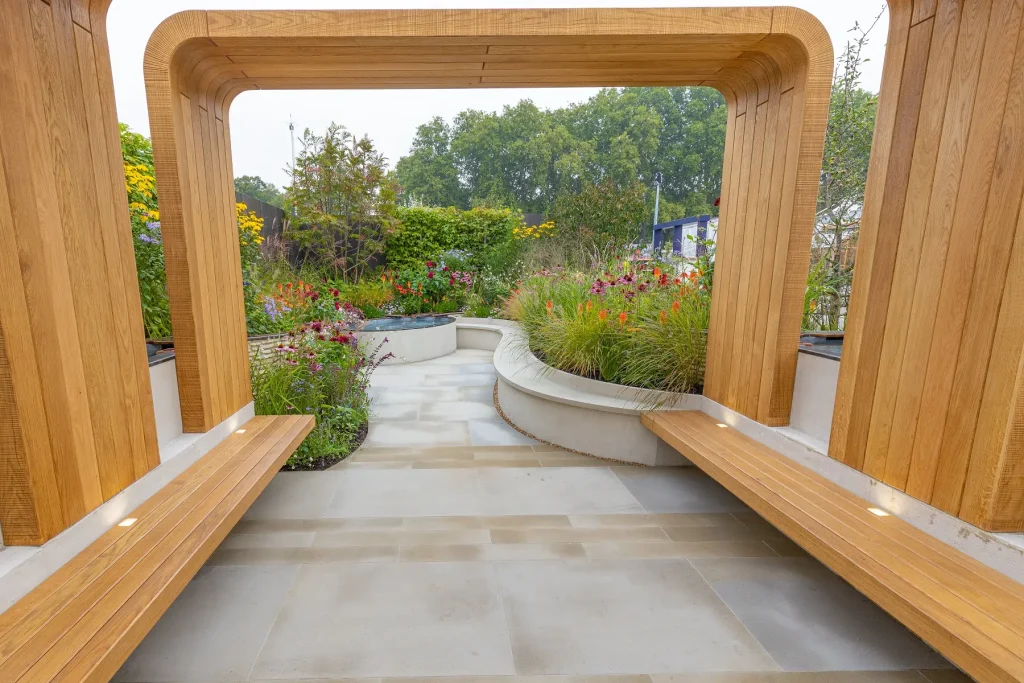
<point x="658" y="178"/>
<point x="291" y="129"/>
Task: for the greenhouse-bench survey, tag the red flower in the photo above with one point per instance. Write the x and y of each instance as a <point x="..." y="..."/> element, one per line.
<point x="718" y="201"/>
<point x="430" y="264"/>
<point x="430" y="275"/>
<point x="337" y="305"/>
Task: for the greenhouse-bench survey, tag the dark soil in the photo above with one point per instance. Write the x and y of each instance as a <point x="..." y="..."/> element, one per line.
<point x="324" y="463"/>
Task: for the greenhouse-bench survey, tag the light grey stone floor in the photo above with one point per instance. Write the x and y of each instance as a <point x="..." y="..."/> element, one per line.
<point x="452" y="549"/>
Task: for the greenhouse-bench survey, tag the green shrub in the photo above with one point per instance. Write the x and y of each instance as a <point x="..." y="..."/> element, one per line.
<point x="628" y="324"/>
<point x="323" y="372"/>
<point x="427" y="234"/>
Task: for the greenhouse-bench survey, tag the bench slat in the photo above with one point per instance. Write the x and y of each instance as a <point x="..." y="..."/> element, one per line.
<point x="88" y="586"/>
<point x="966" y="610"/>
<point x="957" y="617"/>
<point x="115" y="639"/>
<point x="931" y="562"/>
<point x="71" y="578"/>
<point x="137" y="571"/>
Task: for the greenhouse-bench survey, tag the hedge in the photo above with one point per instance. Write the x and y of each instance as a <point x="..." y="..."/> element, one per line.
<point x="425" y="234"/>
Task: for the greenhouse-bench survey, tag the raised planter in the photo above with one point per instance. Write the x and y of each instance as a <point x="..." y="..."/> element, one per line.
<point x="585" y="415"/>
<point x="410" y="339"/>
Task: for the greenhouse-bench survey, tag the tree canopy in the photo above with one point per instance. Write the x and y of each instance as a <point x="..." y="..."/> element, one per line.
<point x="258" y="188"/>
<point x="525" y="157"/>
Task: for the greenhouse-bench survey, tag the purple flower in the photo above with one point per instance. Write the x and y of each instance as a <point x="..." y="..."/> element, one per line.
<point x="143" y="237"/>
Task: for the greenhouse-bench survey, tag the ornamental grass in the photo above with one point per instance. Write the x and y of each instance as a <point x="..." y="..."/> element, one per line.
<point x="630" y="323"/>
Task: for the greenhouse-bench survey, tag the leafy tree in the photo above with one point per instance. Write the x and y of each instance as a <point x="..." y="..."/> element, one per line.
<point x="851" y="125"/>
<point x="257" y="188"/>
<point x="343" y="200"/>
<point x="525" y="157"/>
<point x="431" y="169"/>
<point x="597" y="221"/>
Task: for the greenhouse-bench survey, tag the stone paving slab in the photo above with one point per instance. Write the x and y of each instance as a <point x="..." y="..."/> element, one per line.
<point x="431" y="557"/>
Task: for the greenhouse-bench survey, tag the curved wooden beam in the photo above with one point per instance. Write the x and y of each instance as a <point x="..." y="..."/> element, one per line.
<point x="774" y="66"/>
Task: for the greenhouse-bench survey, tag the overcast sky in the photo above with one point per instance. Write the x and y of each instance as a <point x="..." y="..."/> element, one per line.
<point x="259" y="119"/>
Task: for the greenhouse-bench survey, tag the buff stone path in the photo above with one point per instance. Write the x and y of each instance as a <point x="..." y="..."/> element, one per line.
<point x="452" y="547"/>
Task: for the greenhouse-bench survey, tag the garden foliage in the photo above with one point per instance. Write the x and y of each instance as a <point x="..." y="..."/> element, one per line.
<point x="321" y="371"/>
<point x="629" y="323"/>
<point x="427" y="234"/>
<point x="343" y="203"/>
<point x="140" y="184"/>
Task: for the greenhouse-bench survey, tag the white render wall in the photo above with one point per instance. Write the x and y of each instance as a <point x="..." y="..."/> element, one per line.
<point x="814" y="397"/>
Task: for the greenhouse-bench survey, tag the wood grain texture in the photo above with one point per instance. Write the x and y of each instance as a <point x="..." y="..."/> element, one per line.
<point x="78" y="415"/>
<point x="967" y="611"/>
<point x="928" y="383"/>
<point x="773" y="64"/>
<point x="84" y="620"/>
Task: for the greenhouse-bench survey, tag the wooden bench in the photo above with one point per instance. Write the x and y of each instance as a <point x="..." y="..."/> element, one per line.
<point x="967" y="611"/>
<point x="82" y="622"/>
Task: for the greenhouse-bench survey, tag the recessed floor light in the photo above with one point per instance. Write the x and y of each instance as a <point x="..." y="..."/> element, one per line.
<point x="722" y="425"/>
<point x="878" y="512"/>
<point x="239" y="431"/>
<point x="128" y="522"/>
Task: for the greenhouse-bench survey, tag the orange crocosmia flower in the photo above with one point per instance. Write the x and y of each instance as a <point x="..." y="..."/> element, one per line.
<point x="693" y="276"/>
<point x="657" y="273"/>
<point x="579" y="308"/>
<point x="590" y="305"/>
<point x="663" y="316"/>
<point x="603" y="315"/>
<point x="675" y="306"/>
<point x="550" y="306"/>
<point x="623" y="317"/>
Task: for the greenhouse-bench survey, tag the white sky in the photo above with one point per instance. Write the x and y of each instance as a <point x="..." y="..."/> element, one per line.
<point x="259" y="119"/>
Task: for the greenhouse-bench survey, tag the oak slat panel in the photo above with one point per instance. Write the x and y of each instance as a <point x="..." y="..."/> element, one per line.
<point x="923" y="587"/>
<point x="915" y="213"/>
<point x="992" y="491"/>
<point x="949" y="166"/>
<point x="952" y="445"/>
<point x="945" y="196"/>
<point x="883" y="268"/>
<point x="44" y="269"/>
<point x="856" y="339"/>
<point x="751" y="228"/>
<point x="711" y="374"/>
<point x="990" y="274"/>
<point x="783" y="187"/>
<point x="772" y="177"/>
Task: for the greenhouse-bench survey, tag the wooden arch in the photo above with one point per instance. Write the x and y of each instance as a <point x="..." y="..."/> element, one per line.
<point x="773" y="65"/>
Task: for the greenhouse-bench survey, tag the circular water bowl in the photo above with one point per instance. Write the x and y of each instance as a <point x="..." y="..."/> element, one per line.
<point x="410" y="339"/>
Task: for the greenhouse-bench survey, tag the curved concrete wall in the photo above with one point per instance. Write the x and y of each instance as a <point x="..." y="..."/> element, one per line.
<point x="597" y="418"/>
<point x="412" y="346"/>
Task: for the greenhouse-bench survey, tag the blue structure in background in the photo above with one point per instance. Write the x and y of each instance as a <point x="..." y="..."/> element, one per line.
<point x="675" y="230"/>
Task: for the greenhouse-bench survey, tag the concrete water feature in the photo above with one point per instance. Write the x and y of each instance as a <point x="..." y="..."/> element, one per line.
<point x="410" y="338"/>
<point x="450" y="545"/>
